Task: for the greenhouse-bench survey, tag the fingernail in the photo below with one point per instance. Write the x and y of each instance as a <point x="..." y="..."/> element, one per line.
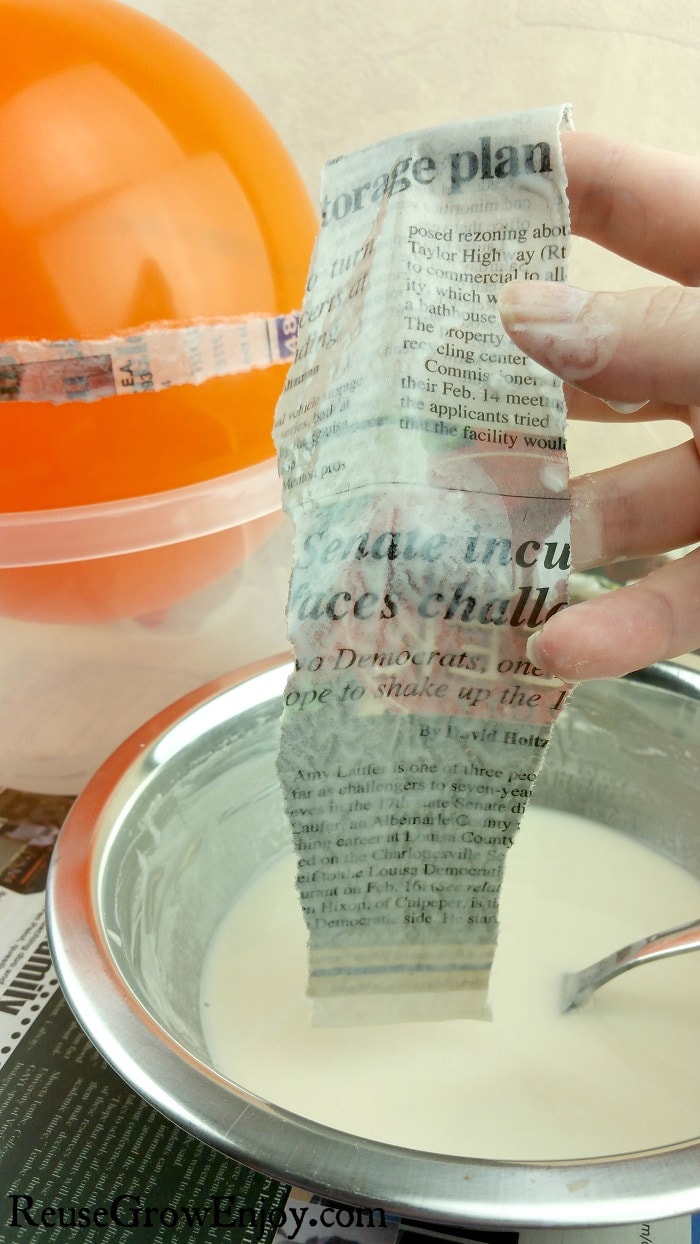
<point x="532" y="647"/>
<point x="587" y="526"/>
<point x="526" y="304"/>
<point x="570" y="331"/>
<point x="620" y="408"/>
<point x="625" y="408"/>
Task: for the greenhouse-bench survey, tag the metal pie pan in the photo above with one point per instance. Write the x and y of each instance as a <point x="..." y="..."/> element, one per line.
<point x="142" y="873"/>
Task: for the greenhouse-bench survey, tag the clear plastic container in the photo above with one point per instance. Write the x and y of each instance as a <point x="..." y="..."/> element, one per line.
<point x="109" y="612"/>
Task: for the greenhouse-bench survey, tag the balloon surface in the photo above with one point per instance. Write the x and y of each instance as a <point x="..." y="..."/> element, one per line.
<point x="138" y="185"/>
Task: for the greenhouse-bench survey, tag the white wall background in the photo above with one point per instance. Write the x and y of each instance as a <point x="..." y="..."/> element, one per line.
<point x="333" y="75"/>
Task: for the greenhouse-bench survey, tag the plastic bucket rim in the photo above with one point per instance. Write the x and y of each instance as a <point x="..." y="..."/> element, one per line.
<point x="132" y="524"/>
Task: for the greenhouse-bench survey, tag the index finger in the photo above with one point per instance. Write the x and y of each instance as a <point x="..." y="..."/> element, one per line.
<point x="641" y="202"/>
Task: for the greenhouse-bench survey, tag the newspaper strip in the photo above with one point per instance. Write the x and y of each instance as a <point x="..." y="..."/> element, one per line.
<point x="143" y="361"/>
<point x="424" y="466"/>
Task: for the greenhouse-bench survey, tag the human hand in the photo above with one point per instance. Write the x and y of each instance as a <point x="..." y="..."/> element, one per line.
<point x="639" y="348"/>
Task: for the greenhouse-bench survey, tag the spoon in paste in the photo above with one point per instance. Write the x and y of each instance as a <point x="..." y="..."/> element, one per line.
<point x="577" y="987"/>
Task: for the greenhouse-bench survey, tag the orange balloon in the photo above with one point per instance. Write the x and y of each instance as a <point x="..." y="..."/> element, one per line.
<point x="138" y="184"/>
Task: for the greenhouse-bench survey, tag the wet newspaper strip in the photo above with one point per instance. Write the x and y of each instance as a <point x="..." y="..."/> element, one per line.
<point x="424" y="467"/>
<point x="146" y="360"/>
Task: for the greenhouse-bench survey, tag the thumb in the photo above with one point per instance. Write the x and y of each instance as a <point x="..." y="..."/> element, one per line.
<point x="628" y="347"/>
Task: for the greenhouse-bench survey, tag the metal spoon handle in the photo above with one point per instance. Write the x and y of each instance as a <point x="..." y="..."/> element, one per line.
<point x="578" y="986"/>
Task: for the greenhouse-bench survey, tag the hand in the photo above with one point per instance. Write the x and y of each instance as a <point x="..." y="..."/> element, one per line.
<point x="638" y="348"/>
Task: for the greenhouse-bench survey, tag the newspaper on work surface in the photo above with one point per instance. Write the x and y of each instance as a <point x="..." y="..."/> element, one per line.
<point x="424" y="467"/>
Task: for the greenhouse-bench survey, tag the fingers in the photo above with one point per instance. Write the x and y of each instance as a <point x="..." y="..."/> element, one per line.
<point x="641" y="346"/>
<point x="637" y="509"/>
<point x="628" y="347"/>
<point x="631" y="347"/>
<point x="626" y="629"/>
<point x="642" y="203"/>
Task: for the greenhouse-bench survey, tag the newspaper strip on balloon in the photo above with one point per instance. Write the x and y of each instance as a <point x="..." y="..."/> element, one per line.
<point x="424" y="466"/>
<point x="146" y="360"/>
